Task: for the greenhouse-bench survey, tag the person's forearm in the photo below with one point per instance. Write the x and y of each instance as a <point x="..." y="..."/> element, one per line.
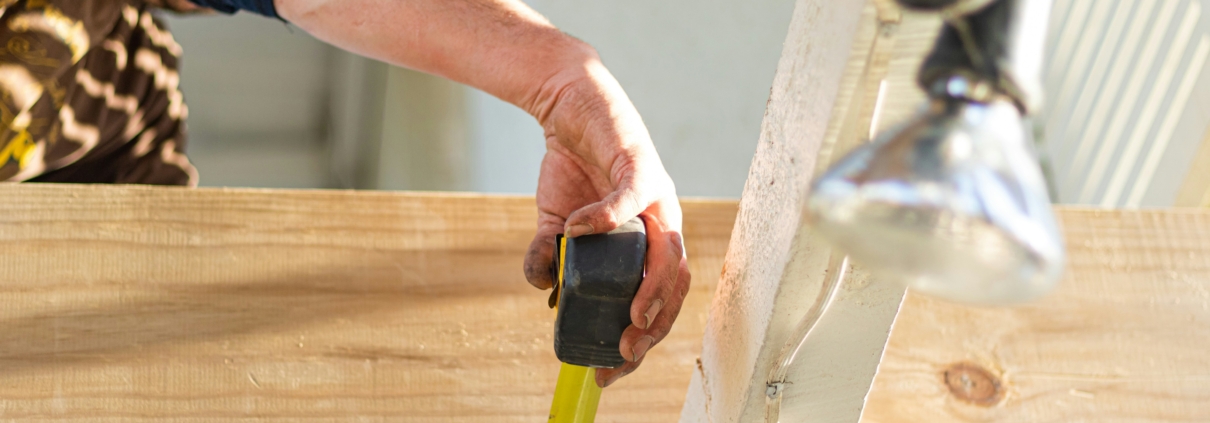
<point x="600" y="169"/>
<point x="500" y="46"/>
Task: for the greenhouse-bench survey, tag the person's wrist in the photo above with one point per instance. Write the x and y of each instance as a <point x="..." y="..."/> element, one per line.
<point x="572" y="70"/>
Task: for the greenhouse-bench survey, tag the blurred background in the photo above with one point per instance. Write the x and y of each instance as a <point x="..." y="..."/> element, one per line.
<point x="272" y="107"/>
<point x="1128" y="101"/>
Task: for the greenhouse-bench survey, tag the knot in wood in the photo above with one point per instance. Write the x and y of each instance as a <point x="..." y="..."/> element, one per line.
<point x="974" y="384"/>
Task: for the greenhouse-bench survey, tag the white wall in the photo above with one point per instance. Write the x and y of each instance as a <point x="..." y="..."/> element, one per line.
<point x="1127" y="91"/>
<point x="507" y="146"/>
<point x="257" y="93"/>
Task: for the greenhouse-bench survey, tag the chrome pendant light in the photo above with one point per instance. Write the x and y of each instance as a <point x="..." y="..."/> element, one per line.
<point x="953" y="203"/>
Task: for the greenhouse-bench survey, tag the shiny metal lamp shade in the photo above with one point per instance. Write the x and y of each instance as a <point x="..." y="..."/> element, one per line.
<point x="953" y="204"/>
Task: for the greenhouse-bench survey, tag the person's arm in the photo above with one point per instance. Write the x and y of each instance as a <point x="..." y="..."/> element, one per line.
<point x="600" y="169"/>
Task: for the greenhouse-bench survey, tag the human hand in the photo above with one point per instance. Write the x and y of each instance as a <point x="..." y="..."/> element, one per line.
<point x="601" y="170"/>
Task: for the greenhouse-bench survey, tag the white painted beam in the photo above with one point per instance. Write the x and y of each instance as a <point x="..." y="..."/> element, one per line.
<point x="775" y="269"/>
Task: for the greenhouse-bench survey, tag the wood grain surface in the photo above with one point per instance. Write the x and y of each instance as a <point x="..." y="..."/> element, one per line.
<point x="136" y="304"/>
<point x="1124" y="339"/>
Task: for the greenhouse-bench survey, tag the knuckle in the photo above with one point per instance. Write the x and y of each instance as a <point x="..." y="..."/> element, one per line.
<point x="678" y="244"/>
<point x="669" y="280"/>
<point x="659" y="331"/>
<point x="609" y="220"/>
<point x="632" y="200"/>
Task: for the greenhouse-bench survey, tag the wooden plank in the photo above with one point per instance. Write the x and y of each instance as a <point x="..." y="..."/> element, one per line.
<point x="1124" y="338"/>
<point x="135" y="304"/>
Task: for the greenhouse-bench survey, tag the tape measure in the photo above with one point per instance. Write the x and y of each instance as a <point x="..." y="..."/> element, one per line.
<point x="596" y="278"/>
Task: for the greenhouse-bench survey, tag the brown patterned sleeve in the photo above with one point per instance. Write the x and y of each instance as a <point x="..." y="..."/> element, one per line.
<point x="110" y="113"/>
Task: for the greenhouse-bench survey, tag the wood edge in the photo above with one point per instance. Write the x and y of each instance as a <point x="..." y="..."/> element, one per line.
<point x="57" y="188"/>
<point x="1195" y="188"/>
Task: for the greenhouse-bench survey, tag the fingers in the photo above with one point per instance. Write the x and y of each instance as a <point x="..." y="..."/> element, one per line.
<point x="659" y="300"/>
<point x="637" y="342"/>
<point x="621" y="205"/>
<point x="665" y="252"/>
<point x="606" y="377"/>
<point x="540" y="256"/>
<point x="662" y="292"/>
<point x="538" y="261"/>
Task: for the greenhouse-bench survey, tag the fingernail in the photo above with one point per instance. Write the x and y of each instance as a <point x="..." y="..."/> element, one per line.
<point x="652" y="311"/>
<point x="579" y="229"/>
<point x="640" y="348"/>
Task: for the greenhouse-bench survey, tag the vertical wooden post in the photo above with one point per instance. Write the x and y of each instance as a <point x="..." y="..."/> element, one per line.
<point x="775" y="269"/>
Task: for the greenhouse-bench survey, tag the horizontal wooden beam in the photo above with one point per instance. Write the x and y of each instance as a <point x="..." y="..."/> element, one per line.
<point x="134" y="304"/>
<point x="1125" y="337"/>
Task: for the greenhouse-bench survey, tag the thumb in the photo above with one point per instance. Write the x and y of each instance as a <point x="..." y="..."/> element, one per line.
<point x="603" y="216"/>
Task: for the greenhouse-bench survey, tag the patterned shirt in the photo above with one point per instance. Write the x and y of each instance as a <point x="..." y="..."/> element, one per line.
<point x="89" y="92"/>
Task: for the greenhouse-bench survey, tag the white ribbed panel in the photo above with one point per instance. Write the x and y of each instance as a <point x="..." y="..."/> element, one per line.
<point x="1121" y="78"/>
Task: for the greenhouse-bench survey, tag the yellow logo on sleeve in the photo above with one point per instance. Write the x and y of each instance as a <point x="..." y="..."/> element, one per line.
<point x="20" y="148"/>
